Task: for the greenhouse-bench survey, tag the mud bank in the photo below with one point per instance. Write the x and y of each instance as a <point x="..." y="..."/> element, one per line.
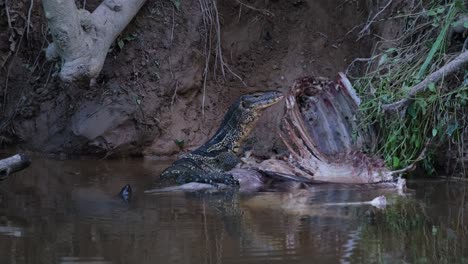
<point x="151" y="93"/>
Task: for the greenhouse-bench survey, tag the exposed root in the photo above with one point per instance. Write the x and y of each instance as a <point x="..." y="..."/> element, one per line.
<point x="365" y="30"/>
<point x="5" y="89"/>
<point x="28" y="23"/>
<point x="212" y="27"/>
<point x="368" y="60"/>
<point x="263" y="11"/>
<point x="82" y="39"/>
<point x="174" y="96"/>
<point x="7" y="11"/>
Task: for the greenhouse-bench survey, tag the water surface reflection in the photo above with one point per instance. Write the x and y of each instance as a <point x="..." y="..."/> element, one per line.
<point x="68" y="212"/>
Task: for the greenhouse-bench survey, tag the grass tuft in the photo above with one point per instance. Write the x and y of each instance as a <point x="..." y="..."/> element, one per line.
<point x="435" y="116"/>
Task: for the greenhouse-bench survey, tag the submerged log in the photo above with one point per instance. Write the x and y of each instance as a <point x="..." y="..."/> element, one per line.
<point x="13" y="164"/>
<point x="320" y="131"/>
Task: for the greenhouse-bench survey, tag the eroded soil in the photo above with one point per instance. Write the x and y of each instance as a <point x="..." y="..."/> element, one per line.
<point x="150" y="92"/>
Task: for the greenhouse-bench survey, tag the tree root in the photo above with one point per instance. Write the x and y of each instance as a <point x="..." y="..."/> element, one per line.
<point x="82" y="39"/>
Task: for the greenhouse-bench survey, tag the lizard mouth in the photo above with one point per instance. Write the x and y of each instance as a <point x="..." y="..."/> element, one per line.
<point x="266" y="99"/>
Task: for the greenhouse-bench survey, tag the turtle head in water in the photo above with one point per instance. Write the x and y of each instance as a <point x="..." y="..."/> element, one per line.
<point x="240" y="120"/>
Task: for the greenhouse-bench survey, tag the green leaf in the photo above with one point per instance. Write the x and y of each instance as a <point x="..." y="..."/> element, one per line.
<point x="120" y="43"/>
<point x="438" y="43"/>
<point x="131" y="37"/>
<point x="423" y="105"/>
<point x="383" y="59"/>
<point x="465" y="24"/>
<point x="396" y="162"/>
<point x="412" y="111"/>
<point x="176" y="4"/>
<point x="451" y="129"/>
<point x="432" y="87"/>
<point x="180" y="143"/>
<point x="431" y="13"/>
<point x="434" y="132"/>
<point x="440" y="10"/>
<point x="417" y="143"/>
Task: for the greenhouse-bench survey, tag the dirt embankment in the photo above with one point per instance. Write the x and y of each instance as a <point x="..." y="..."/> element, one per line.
<point x="150" y="92"/>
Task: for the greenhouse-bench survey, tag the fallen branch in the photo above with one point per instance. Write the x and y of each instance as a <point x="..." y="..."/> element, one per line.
<point x="13" y="164"/>
<point x="82" y="39"/>
<point x="434" y="77"/>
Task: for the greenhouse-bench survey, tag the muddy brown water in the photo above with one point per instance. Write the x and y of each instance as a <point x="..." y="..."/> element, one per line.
<point x="68" y="212"/>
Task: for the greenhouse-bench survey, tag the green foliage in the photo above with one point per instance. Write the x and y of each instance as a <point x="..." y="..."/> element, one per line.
<point x="176" y="4"/>
<point x="433" y="115"/>
<point x="180" y="143"/>
<point x="121" y="40"/>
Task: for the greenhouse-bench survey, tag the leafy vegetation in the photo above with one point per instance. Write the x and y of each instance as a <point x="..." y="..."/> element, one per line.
<point x="437" y="115"/>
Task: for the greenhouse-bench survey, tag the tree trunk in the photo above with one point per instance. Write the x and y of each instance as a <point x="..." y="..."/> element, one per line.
<point x="320" y="131"/>
<point x="82" y="39"/>
<point x="13" y="164"/>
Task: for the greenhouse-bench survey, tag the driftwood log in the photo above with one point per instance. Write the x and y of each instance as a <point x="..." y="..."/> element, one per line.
<point x="320" y="131"/>
<point x="13" y="164"/>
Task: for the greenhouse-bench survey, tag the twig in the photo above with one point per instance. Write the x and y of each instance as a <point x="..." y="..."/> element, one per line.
<point x="465" y="45"/>
<point x="359" y="60"/>
<point x="369" y="23"/>
<point x="412" y="166"/>
<point x="263" y="11"/>
<point x="172" y="30"/>
<point x="48" y="76"/>
<point x="207" y="49"/>
<point x="7" y="9"/>
<point x="175" y="93"/>
<point x="434" y="77"/>
<point x="5" y="91"/>
<point x="36" y="61"/>
<point x="235" y="75"/>
<point x="29" y="18"/>
<point x="218" y="39"/>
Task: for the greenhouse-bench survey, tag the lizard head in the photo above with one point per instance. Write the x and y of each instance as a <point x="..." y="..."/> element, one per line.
<point x="258" y="101"/>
